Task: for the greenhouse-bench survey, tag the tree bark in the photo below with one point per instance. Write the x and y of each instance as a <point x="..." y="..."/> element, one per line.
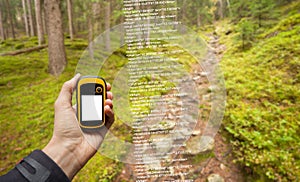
<point x="44" y="18"/>
<point x="107" y="26"/>
<point x="30" y="18"/>
<point x="24" y="51"/>
<point x="10" y="19"/>
<point x="221" y="9"/>
<point x="70" y="17"/>
<point x="96" y="7"/>
<point x="1" y="26"/>
<point x="198" y="19"/>
<point x="90" y="37"/>
<point x="39" y="22"/>
<point x="229" y="7"/>
<point x="25" y="17"/>
<point x="56" y="48"/>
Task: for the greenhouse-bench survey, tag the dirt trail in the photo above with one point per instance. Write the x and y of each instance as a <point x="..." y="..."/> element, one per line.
<point x="215" y="164"/>
<point x="220" y="166"/>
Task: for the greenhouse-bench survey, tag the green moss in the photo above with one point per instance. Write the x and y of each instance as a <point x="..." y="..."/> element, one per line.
<point x="19" y="46"/>
<point x="262" y="106"/>
<point x="197" y="159"/>
<point x="27" y="95"/>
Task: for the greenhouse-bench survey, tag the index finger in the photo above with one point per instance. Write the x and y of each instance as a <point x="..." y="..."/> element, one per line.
<point x="108" y="86"/>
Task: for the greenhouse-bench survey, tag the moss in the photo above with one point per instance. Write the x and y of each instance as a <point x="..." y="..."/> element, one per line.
<point x="19" y="46"/>
<point x="197" y="159"/>
<point x="262" y="110"/>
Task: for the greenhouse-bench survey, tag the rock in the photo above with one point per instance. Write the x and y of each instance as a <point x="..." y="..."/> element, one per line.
<point x="170" y="116"/>
<point x="199" y="144"/>
<point x="196" y="132"/>
<point x="162" y="126"/>
<point x="196" y="78"/>
<point x="222" y="166"/>
<point x="213" y="88"/>
<point x="215" y="178"/>
<point x="180" y="103"/>
<point x="206" y="97"/>
<point x="204" y="74"/>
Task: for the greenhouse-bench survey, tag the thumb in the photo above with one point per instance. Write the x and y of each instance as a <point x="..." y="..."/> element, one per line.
<point x="65" y="95"/>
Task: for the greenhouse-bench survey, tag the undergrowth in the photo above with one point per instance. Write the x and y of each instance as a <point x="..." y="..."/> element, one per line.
<point x="263" y="110"/>
<point x="27" y="96"/>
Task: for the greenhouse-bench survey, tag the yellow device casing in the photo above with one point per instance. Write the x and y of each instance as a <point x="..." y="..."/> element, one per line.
<point x="85" y="87"/>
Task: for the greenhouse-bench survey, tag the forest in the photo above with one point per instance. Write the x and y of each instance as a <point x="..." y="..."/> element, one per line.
<point x="258" y="42"/>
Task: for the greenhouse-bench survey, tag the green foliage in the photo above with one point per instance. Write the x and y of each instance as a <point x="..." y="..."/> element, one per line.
<point x="99" y="169"/>
<point x="262" y="10"/>
<point x="19" y="46"/>
<point x="201" y="12"/>
<point x="284" y="25"/>
<point x="77" y="45"/>
<point x="240" y="9"/>
<point x="246" y="33"/>
<point x="263" y="111"/>
<point x="197" y="159"/>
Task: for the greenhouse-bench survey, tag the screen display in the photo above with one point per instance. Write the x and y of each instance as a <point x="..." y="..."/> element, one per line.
<point x="91" y="107"/>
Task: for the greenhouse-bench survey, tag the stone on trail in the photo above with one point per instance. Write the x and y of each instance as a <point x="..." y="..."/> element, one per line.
<point x="199" y="144"/>
<point x="215" y="178"/>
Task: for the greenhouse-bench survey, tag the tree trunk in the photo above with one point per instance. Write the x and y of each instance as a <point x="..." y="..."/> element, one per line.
<point x="56" y="48"/>
<point x="229" y="7"/>
<point x="30" y="18"/>
<point x="25" y="17"/>
<point x="39" y="22"/>
<point x="1" y="26"/>
<point x="24" y="51"/>
<point x="97" y="17"/>
<point x="44" y="18"/>
<point x="221" y="8"/>
<point x="107" y="26"/>
<point x="10" y="19"/>
<point x="70" y="17"/>
<point x="90" y="37"/>
<point x="198" y="19"/>
<point x="122" y="40"/>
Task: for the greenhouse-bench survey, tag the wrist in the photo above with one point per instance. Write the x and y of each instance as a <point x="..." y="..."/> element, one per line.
<point x="69" y="157"/>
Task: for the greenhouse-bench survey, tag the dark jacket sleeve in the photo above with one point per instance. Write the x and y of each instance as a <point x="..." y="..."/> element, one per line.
<point x="51" y="172"/>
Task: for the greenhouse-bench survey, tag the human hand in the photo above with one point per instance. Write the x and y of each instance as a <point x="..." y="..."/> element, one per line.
<point x="69" y="147"/>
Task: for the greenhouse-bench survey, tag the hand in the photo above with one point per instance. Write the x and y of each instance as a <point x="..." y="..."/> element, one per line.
<point x="68" y="147"/>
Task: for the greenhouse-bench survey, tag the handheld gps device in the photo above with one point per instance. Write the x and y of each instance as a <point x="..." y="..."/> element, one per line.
<point x="91" y="95"/>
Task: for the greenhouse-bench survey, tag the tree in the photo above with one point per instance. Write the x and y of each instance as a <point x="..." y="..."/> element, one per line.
<point x="39" y="22"/>
<point x="25" y="17"/>
<point x="262" y="10"/>
<point x="10" y="19"/>
<point x="221" y="9"/>
<point x="56" y="48"/>
<point x="229" y="7"/>
<point x="203" y="13"/>
<point x="97" y="16"/>
<point x="240" y="9"/>
<point x="107" y="26"/>
<point x="30" y="18"/>
<point x="44" y="18"/>
<point x="70" y="17"/>
<point x="245" y="29"/>
<point x="1" y="26"/>
<point x="90" y="37"/>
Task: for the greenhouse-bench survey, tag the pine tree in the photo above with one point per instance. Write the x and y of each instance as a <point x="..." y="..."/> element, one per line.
<point x="262" y="10"/>
<point x="246" y="33"/>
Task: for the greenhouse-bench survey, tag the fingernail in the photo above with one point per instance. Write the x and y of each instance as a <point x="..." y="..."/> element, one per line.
<point x="77" y="75"/>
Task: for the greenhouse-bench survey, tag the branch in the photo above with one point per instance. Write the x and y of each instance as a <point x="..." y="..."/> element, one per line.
<point x="24" y="51"/>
